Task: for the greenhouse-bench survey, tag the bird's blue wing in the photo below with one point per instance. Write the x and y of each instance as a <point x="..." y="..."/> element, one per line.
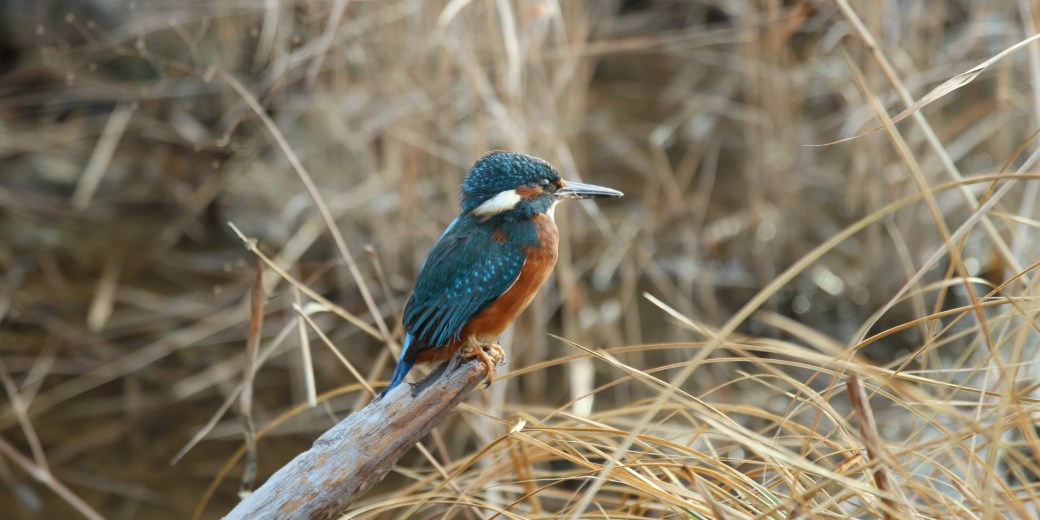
<point x="467" y="270"/>
<point x="404" y="365"/>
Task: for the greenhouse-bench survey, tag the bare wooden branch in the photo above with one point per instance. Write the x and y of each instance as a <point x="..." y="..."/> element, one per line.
<point x="358" y="452"/>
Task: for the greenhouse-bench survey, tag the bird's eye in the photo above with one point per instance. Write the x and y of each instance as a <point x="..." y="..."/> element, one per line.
<point x="543" y="183"/>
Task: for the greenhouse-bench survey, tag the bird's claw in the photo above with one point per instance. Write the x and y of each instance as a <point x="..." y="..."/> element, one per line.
<point x="491" y="355"/>
<point x="496" y="352"/>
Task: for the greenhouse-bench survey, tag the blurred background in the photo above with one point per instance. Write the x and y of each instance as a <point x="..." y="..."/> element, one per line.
<point x="133" y="132"/>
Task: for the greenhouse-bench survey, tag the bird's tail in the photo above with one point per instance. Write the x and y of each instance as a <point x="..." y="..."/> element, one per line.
<point x="403" y="366"/>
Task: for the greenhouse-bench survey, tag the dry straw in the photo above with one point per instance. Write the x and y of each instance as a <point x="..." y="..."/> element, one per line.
<point x="818" y="298"/>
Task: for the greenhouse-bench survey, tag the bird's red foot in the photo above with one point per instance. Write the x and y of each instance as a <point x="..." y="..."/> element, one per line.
<point x="490" y="354"/>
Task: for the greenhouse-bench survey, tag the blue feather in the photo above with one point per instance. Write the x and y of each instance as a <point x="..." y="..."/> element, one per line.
<point x="466" y="271"/>
<point x="403" y="366"/>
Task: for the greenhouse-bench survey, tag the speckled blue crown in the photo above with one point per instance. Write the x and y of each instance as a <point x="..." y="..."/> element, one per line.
<point x="498" y="171"/>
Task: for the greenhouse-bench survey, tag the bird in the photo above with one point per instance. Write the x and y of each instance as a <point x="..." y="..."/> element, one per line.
<point x="488" y="264"/>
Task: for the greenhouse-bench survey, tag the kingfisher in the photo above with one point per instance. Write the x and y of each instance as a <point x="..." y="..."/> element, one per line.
<point x="489" y="263"/>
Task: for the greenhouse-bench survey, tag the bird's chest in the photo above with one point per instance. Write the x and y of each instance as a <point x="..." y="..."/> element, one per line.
<point x="541" y="257"/>
<point x="540" y="248"/>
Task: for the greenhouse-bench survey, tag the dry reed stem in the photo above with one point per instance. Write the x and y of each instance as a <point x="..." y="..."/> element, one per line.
<point x="257" y="302"/>
<point x="315" y="193"/>
<point x="934" y="142"/>
<point x="43" y="475"/>
<point x="876" y="452"/>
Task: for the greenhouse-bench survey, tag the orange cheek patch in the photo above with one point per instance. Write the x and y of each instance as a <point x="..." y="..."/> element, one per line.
<point x="528" y="193"/>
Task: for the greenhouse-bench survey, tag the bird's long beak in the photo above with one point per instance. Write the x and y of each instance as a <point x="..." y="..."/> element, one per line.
<point x="577" y="190"/>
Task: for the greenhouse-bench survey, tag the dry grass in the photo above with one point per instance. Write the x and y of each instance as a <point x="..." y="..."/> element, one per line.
<point x="759" y="329"/>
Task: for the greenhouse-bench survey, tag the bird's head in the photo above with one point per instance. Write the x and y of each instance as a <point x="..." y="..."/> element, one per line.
<point x="514" y="185"/>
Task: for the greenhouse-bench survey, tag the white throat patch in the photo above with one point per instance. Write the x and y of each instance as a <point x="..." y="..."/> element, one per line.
<point x="504" y="201"/>
<point x="552" y="210"/>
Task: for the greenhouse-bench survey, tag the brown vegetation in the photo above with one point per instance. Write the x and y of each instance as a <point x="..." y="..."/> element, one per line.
<point x="705" y="327"/>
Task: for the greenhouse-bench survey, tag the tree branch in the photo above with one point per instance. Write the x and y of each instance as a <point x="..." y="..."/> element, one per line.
<point x="359" y="451"/>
